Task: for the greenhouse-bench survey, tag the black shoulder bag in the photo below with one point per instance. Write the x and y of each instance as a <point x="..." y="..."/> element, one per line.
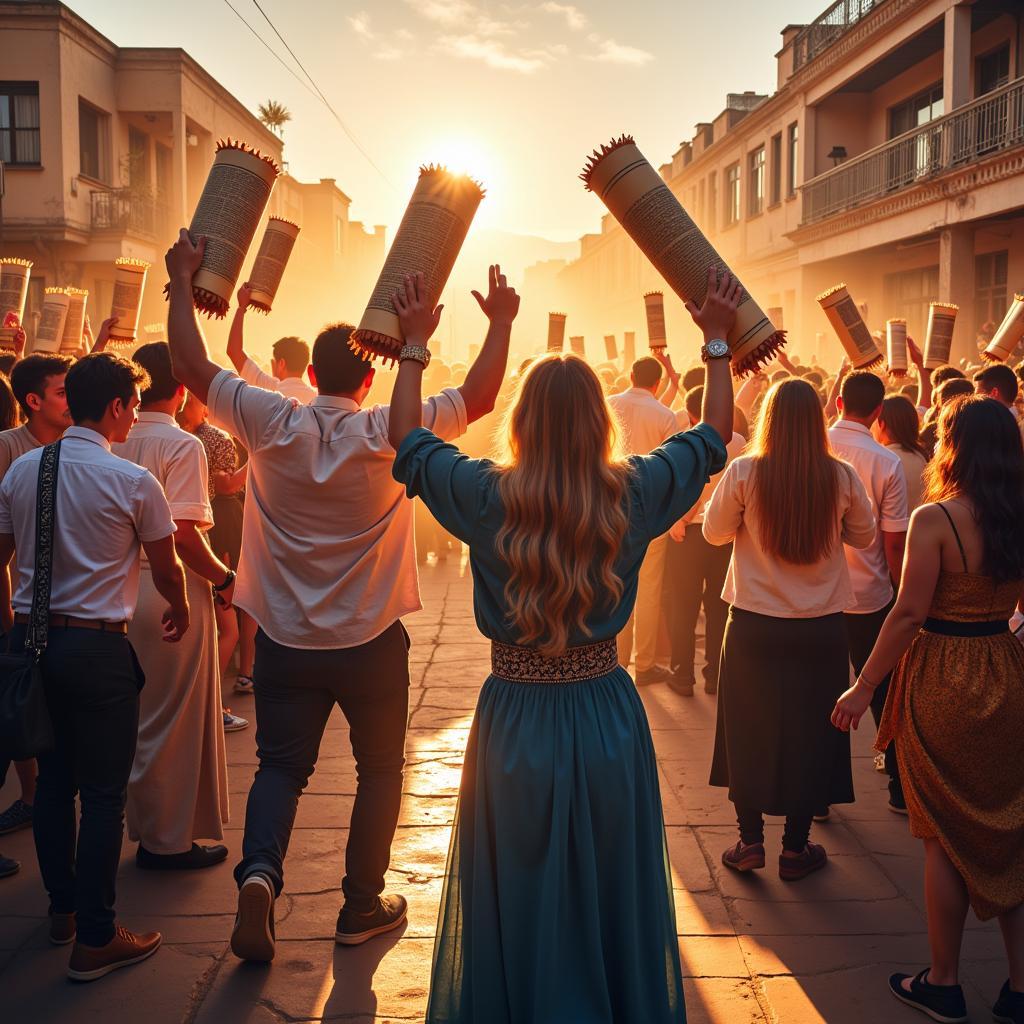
<point x="25" y="726"/>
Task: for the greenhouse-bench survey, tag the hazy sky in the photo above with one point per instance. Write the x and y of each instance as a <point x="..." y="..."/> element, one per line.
<point x="517" y="92"/>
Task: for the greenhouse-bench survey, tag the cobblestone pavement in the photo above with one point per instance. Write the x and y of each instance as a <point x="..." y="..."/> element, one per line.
<point x="753" y="949"/>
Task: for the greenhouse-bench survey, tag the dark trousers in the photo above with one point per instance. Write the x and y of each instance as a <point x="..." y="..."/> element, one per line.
<point x="862" y="631"/>
<point x="694" y="574"/>
<point x="296" y="690"/>
<point x="92" y="683"/>
<point x="794" y="838"/>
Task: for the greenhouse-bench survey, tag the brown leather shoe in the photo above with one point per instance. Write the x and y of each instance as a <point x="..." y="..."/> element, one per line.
<point x="91" y="962"/>
<point x="253" y="936"/>
<point x="62" y="929"/>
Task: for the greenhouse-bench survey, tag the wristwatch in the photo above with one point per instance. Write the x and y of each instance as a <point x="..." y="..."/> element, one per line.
<point x="228" y="580"/>
<point x="716" y="349"/>
<point x="418" y="352"/>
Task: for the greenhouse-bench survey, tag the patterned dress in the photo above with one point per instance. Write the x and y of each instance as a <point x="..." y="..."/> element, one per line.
<point x="956" y="711"/>
<point x="225" y="536"/>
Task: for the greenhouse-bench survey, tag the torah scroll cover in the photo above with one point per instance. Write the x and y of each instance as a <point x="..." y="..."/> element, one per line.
<point x="125" y="303"/>
<point x="428" y="241"/>
<point x="1005" y="341"/>
<point x="556" y="332"/>
<point x="850" y="328"/>
<point x="610" y="348"/>
<point x="74" y="322"/>
<point x="14" y="275"/>
<point x="271" y="259"/>
<point x="578" y="346"/>
<point x="51" y="320"/>
<point x="654" y="308"/>
<point x="228" y="214"/>
<point x="653" y="217"/>
<point x="896" y="346"/>
<point x="939" y="339"/>
<point x="628" y="347"/>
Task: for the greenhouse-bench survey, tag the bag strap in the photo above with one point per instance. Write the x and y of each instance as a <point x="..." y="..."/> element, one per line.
<point x="46" y="518"/>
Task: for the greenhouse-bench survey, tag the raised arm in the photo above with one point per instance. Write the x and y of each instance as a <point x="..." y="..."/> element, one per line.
<point x="716" y="319"/>
<point x="103" y="337"/>
<point x="832" y="405"/>
<point x="418" y="322"/>
<point x="236" y="335"/>
<point x="668" y="396"/>
<point x="190" y="360"/>
<point x="924" y="376"/>
<point x="483" y="382"/>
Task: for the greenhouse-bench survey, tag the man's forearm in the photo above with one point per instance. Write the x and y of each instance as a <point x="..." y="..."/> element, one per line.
<point x="406" y="412"/>
<point x="924" y="387"/>
<point x="196" y="554"/>
<point x="170" y="585"/>
<point x="190" y="362"/>
<point x="483" y="382"/>
<point x="236" y="339"/>
<point x="717" y="410"/>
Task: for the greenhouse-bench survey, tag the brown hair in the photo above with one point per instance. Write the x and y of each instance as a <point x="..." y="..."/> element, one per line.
<point x="899" y="417"/>
<point x="563" y="485"/>
<point x="796" y="476"/>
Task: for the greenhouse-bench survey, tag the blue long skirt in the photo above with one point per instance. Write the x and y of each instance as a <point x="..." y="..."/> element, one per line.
<point x="557" y="905"/>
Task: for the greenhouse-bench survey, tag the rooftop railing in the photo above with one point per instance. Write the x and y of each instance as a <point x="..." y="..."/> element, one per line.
<point x="828" y="27"/>
<point x="978" y="129"/>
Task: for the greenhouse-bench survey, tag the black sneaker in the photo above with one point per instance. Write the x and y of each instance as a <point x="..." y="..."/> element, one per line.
<point x="650" y="676"/>
<point x="1009" y="1008"/>
<point x="17" y="816"/>
<point x="680" y="684"/>
<point x="192" y="860"/>
<point x="944" y="1003"/>
<point x="355" y="928"/>
<point x="710" y="683"/>
<point x="8" y="867"/>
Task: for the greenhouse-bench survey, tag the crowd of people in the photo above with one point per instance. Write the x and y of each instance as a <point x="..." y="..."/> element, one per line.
<point x="818" y="544"/>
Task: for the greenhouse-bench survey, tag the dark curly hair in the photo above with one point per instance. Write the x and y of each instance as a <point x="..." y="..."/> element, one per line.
<point x="980" y="457"/>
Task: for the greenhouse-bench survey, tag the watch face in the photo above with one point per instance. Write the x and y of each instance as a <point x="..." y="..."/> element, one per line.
<point x="717" y="349"/>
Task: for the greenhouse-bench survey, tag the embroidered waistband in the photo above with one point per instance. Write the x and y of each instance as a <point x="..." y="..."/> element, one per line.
<point x="947" y="627"/>
<point x="527" y="665"/>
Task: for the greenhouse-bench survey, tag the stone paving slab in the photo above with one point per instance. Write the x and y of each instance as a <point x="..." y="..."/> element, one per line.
<point x="753" y="950"/>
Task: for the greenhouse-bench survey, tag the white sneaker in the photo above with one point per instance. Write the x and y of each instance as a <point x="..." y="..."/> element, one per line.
<point x="243" y="684"/>
<point x="234" y="723"/>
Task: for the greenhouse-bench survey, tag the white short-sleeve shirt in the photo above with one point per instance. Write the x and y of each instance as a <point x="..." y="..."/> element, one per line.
<point x="646" y="422"/>
<point x="881" y="473"/>
<point x="328" y="559"/>
<point x="290" y="387"/>
<point x="106" y="508"/>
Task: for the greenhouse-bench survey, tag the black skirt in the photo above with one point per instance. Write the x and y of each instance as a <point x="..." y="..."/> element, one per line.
<point x="225" y="535"/>
<point x="776" y="749"/>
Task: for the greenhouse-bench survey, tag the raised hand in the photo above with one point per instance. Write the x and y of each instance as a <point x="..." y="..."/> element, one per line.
<point x="416" y="316"/>
<point x="502" y="302"/>
<point x="916" y="355"/>
<point x="184" y="257"/>
<point x="244" y="296"/>
<point x="104" y="336"/>
<point x="717" y="316"/>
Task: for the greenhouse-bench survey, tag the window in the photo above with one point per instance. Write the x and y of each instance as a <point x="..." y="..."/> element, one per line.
<point x="138" y="158"/>
<point x="701" y="200"/>
<point x="793" y="136"/>
<point x="19" y="123"/>
<point x="712" y="200"/>
<point x="908" y="293"/>
<point x="990" y="278"/>
<point x="993" y="70"/>
<point x="732" y="194"/>
<point x="776" y="169"/>
<point x="755" y="200"/>
<point x="339" y="235"/>
<point x="93" y="143"/>
<point x="917" y="111"/>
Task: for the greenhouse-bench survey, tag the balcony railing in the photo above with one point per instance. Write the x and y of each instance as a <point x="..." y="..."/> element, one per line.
<point x="828" y="27"/>
<point x="128" y="210"/>
<point x="988" y="125"/>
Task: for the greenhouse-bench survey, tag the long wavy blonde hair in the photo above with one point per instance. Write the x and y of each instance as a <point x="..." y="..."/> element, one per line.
<point x="563" y="482"/>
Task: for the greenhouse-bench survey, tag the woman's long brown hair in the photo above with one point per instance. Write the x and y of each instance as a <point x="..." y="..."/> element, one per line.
<point x="796" y="476"/>
<point x="563" y="485"/>
<point x="900" y="419"/>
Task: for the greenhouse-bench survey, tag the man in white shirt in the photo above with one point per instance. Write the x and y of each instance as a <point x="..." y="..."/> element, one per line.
<point x="695" y="575"/>
<point x="328" y="568"/>
<point x="178" y="791"/>
<point x="290" y="359"/>
<point x="646" y="424"/>
<point x="999" y="382"/>
<point x="874" y="569"/>
<point x="105" y="509"/>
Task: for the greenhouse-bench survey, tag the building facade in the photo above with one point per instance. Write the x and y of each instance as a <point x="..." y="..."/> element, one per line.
<point x="890" y="157"/>
<point x="105" y="152"/>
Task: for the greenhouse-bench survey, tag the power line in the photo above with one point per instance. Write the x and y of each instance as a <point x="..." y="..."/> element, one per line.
<point x="337" y="117"/>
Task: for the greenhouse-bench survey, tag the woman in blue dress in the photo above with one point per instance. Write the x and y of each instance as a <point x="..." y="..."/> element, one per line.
<point x="557" y="905"/>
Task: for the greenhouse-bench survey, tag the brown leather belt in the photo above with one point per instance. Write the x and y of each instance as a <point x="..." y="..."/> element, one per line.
<point x="70" y="622"/>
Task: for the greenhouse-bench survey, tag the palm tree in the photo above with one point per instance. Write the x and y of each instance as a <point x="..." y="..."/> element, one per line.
<point x="275" y="116"/>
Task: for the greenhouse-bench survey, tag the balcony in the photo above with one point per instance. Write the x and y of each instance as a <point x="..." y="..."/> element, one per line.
<point x="978" y="130"/>
<point x="127" y="210"/>
<point x="817" y="37"/>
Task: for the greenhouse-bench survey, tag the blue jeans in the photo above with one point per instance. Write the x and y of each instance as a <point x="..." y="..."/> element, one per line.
<point x="296" y="690"/>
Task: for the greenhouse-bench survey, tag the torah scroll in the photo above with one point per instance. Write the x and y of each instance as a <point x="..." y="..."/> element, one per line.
<point x="850" y="328"/>
<point x="129" y="282"/>
<point x="74" y="322"/>
<point x="610" y="348"/>
<point x="428" y="240"/>
<point x="654" y="307"/>
<point x="556" y="332"/>
<point x="14" y="275"/>
<point x="628" y="346"/>
<point x="578" y="346"/>
<point x="50" y="330"/>
<point x="229" y="211"/>
<point x="939" y="340"/>
<point x="1004" y="342"/>
<point x="652" y="216"/>
<point x="271" y="259"/>
<point x="896" y="346"/>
